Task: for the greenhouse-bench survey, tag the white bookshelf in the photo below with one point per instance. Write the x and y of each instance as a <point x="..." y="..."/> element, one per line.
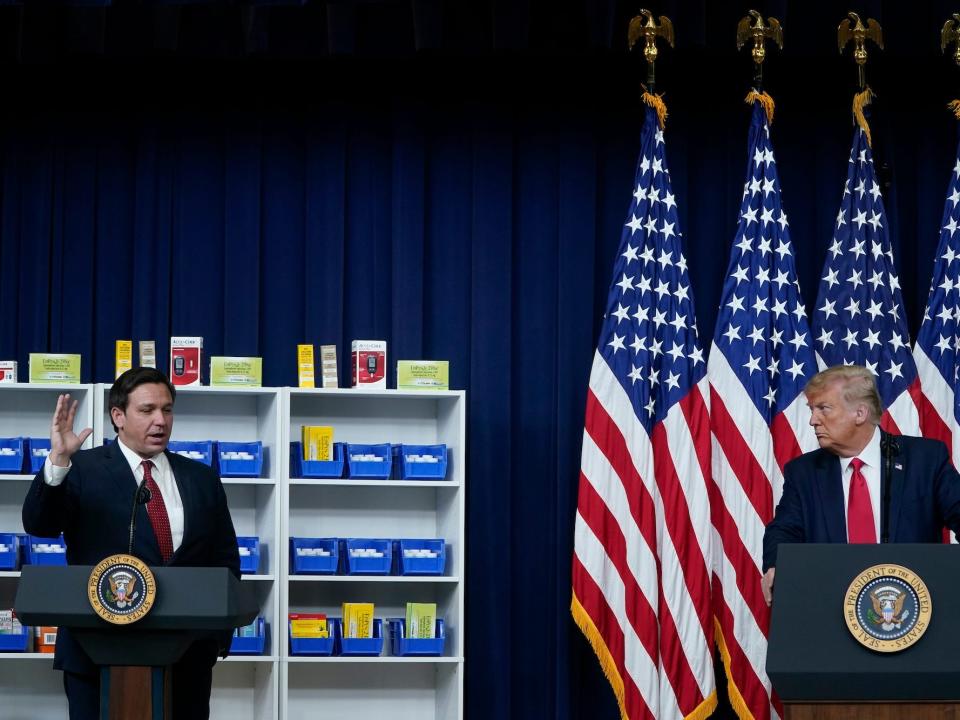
<point x="28" y="685"/>
<point x="397" y="687"/>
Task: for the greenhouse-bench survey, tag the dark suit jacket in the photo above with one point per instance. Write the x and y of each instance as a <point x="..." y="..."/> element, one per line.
<point x="924" y="498"/>
<point x="92" y="510"/>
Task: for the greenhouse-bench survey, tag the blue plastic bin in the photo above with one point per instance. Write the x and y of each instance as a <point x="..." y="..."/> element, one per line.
<point x="240" y="467"/>
<point x="15" y="642"/>
<point x="249" y="564"/>
<point x="35" y="556"/>
<point x="375" y="469"/>
<point x="314" y="564"/>
<point x="401" y="645"/>
<point x="190" y="448"/>
<point x="362" y="647"/>
<point x="37" y="450"/>
<point x="300" y="468"/>
<point x="360" y="565"/>
<point x="11" y="462"/>
<point x="408" y="565"/>
<point x="250" y="645"/>
<point x="9" y="558"/>
<point x="316" y="646"/>
<point x="414" y="470"/>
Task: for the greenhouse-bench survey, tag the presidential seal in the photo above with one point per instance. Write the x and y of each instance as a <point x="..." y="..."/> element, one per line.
<point x="887" y="608"/>
<point x="121" y="589"/>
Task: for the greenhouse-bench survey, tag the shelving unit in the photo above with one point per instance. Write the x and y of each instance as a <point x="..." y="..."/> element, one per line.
<point x="275" y="507"/>
<point x="423" y="688"/>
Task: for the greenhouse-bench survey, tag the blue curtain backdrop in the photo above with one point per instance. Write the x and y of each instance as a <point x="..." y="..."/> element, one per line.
<point x="460" y="205"/>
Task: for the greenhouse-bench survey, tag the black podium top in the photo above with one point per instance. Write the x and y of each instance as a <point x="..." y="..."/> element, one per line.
<point x="812" y="655"/>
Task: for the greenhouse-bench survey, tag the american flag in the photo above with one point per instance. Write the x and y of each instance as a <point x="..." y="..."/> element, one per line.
<point x="859" y="317"/>
<point x="641" y="573"/>
<point x="936" y="349"/>
<point x="762" y="356"/>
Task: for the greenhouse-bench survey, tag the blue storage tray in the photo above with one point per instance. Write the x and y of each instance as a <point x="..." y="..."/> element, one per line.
<point x="250" y="645"/>
<point x="183" y="447"/>
<point x="316" y="646"/>
<point x="300" y="468"/>
<point x="239" y="467"/>
<point x="10" y="558"/>
<point x="367" y="565"/>
<point x="19" y="642"/>
<point x="400" y="645"/>
<point x="36" y="461"/>
<point x="249" y="564"/>
<point x="314" y="565"/>
<point x="377" y="469"/>
<point x="418" y="565"/>
<point x="410" y="470"/>
<point x="364" y="647"/>
<point x="12" y="463"/>
<point x="35" y="557"/>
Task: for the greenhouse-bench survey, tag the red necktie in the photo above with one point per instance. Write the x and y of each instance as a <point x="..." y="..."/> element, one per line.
<point x="860" y="525"/>
<point x="158" y="513"/>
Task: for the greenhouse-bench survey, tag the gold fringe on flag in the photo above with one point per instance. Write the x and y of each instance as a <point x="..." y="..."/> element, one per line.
<point x="737" y="702"/>
<point x="860" y="101"/>
<point x="656" y="102"/>
<point x="764" y="99"/>
<point x="583" y="620"/>
<point x="954" y="107"/>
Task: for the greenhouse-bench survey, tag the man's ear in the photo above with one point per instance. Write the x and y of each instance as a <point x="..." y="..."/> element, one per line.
<point x="116" y="414"/>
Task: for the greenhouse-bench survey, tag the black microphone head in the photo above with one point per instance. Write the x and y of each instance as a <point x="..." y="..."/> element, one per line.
<point x="144" y="496"/>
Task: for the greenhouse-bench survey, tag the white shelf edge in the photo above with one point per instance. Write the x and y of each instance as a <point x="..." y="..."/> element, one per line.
<point x="379" y="659"/>
<point x="25" y="656"/>
<point x="9" y="573"/>
<point x="59" y="387"/>
<point x="346" y="482"/>
<point x="381" y="393"/>
<point x="249" y="659"/>
<point x="263" y="578"/>
<point x="247" y="481"/>
<point x="444" y="579"/>
<point x="14" y="477"/>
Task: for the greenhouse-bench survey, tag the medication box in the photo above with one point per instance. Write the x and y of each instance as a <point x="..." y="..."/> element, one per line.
<point x="314" y="556"/>
<point x="421" y="557"/>
<point x="199" y="450"/>
<point x="240" y="459"/>
<point x="313" y="645"/>
<point x="250" y="639"/>
<point x="185" y="356"/>
<point x="361" y="647"/>
<point x="8" y="371"/>
<point x="368" y="363"/>
<point x="367" y="556"/>
<point x="369" y="461"/>
<point x="423" y="462"/>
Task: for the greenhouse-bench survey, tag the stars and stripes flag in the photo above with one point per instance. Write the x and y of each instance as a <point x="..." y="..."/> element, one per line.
<point x="761" y="358"/>
<point x="641" y="575"/>
<point x="935" y="352"/>
<point x="859" y="317"/>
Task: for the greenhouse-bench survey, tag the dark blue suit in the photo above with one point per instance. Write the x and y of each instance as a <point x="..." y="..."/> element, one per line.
<point x="924" y="498"/>
<point x="92" y="510"/>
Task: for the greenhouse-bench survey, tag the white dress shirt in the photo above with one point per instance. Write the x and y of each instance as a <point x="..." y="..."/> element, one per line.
<point x="53" y="475"/>
<point x="871" y="470"/>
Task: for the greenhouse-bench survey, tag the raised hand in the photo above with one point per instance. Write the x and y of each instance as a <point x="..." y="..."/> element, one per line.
<point x="64" y="442"/>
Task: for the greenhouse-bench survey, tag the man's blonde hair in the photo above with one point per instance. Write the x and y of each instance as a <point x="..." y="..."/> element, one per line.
<point x="859" y="386"/>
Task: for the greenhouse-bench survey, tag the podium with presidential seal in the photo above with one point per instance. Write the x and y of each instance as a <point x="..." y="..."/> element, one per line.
<point x="866" y="631"/>
<point x="134" y="621"/>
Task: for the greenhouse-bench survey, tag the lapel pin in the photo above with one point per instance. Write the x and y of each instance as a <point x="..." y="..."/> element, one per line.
<point x="898" y="466"/>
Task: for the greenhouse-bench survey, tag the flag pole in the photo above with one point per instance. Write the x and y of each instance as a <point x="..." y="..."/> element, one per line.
<point x="860" y="33"/>
<point x="643" y="26"/>
<point x="951" y="34"/>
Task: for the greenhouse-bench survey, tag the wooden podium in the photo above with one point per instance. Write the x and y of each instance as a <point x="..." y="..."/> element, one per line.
<point x="134" y="658"/>
<point x="821" y="672"/>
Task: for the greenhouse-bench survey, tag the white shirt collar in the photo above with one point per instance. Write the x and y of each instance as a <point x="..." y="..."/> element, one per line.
<point x="870" y="454"/>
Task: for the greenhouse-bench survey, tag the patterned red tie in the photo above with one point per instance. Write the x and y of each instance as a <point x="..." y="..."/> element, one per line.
<point x="860" y="525"/>
<point x="158" y="513"/>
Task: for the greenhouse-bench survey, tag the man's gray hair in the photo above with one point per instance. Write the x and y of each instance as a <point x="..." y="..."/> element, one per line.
<point x="859" y="386"/>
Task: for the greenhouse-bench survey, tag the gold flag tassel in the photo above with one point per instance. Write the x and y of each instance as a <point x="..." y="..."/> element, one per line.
<point x="656" y="102"/>
<point x="954" y="107"/>
<point x="860" y="101"/>
<point x="764" y="99"/>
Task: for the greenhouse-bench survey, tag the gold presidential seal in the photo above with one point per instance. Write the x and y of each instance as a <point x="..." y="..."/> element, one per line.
<point x="121" y="589"/>
<point x="887" y="608"/>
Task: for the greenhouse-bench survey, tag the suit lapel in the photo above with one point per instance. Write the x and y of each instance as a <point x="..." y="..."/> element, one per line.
<point x="184" y="489"/>
<point x="897" y="483"/>
<point x="830" y="487"/>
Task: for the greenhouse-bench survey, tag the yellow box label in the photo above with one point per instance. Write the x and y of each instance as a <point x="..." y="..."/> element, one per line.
<point x="123" y="357"/>
<point x="305" y="372"/>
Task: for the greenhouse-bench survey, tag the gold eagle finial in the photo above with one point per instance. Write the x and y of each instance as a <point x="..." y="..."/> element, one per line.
<point x="759" y="31"/>
<point x="859" y="34"/>
<point x="951" y="34"/>
<point x="644" y="26"/>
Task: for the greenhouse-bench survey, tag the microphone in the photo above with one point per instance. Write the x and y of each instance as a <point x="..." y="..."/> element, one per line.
<point x="889" y="446"/>
<point x="140" y="497"/>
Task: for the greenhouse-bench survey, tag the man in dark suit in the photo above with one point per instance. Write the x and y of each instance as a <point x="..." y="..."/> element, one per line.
<point x="87" y="495"/>
<point x="836" y="494"/>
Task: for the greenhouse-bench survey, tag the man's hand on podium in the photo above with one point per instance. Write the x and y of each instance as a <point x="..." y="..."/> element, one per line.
<point x="64" y="442"/>
<point x="767" y="584"/>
